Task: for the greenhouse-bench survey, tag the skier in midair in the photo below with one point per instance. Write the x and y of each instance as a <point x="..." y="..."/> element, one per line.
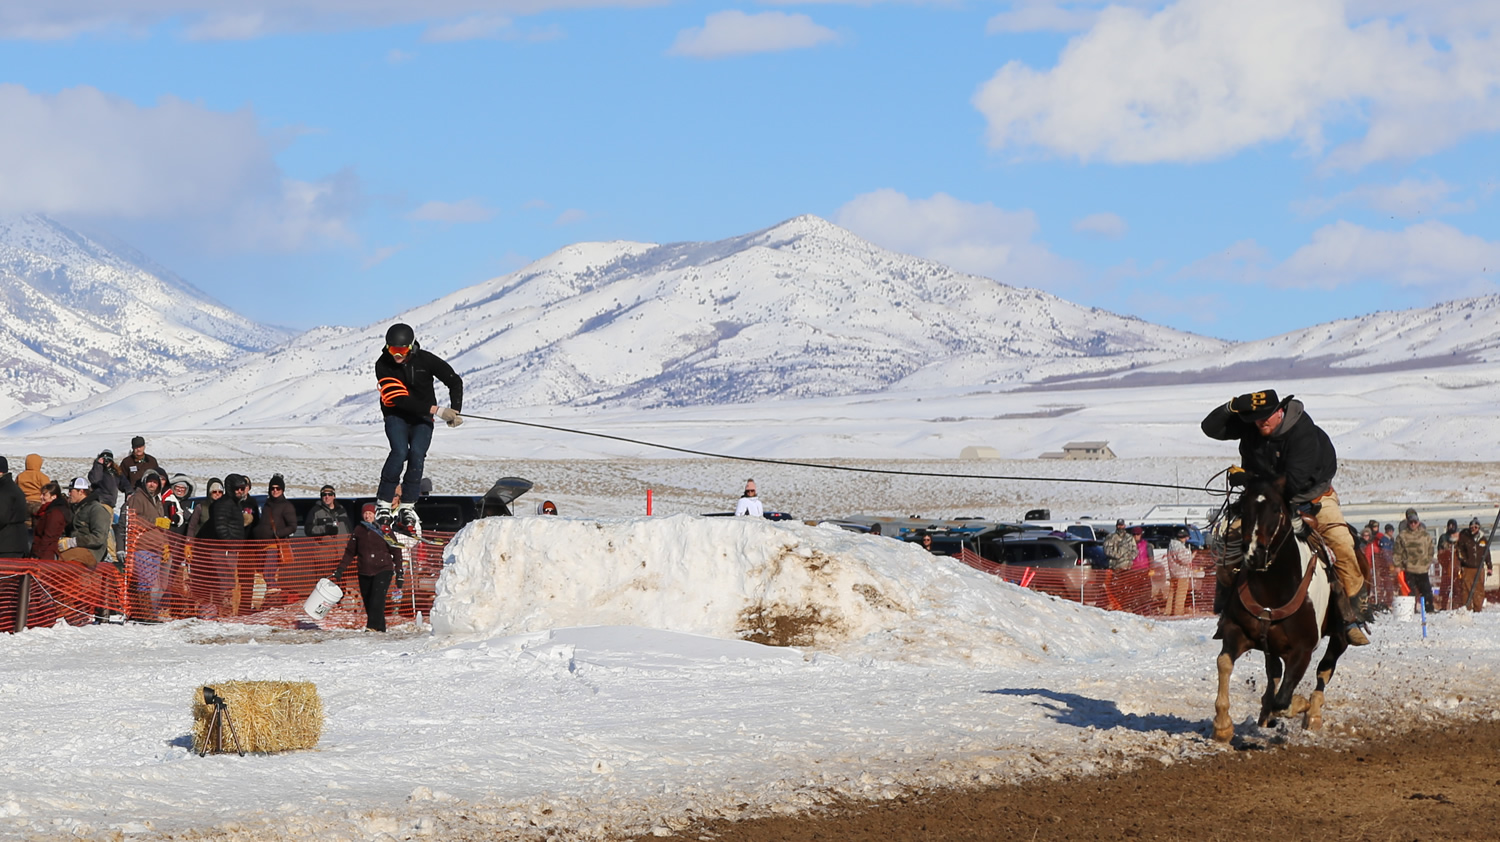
<point x="405" y="374"/>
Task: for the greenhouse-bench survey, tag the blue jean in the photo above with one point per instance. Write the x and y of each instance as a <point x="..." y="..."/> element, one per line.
<point x="409" y="444"/>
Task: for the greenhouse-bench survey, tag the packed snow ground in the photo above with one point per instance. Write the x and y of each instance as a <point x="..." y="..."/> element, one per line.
<point x="584" y="678"/>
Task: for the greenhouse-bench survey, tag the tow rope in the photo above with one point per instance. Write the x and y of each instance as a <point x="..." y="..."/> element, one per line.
<point x="851" y="469"/>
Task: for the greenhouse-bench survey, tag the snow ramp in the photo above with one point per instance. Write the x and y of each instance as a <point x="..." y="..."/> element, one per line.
<point x="785" y="584"/>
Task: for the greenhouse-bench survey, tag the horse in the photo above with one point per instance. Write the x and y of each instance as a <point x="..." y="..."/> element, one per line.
<point x="1282" y="569"/>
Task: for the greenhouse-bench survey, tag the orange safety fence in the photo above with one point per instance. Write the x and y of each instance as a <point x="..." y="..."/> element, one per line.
<point x="1146" y="591"/>
<point x="169" y="576"/>
<point x="35" y="593"/>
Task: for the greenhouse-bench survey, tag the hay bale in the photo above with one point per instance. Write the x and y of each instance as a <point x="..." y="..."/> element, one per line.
<point x="267" y="716"/>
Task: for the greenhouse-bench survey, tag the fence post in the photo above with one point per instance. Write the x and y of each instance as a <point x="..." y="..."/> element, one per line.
<point x="23" y="605"/>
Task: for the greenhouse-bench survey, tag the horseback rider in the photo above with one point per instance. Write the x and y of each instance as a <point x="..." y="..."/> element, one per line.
<point x="1279" y="440"/>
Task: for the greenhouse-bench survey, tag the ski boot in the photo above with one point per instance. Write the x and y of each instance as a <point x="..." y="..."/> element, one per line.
<point x="407" y="521"/>
<point x="383" y="516"/>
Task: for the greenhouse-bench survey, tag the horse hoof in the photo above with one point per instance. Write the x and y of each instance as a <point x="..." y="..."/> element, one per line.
<point x="1313" y="723"/>
<point x="1224" y="735"/>
<point x="1299" y="705"/>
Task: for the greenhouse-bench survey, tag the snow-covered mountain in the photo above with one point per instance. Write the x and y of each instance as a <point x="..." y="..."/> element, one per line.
<point x="1453" y="333"/>
<point x="802" y="309"/>
<point x="79" y="317"/>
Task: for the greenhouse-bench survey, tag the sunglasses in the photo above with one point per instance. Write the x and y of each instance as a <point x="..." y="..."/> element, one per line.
<point x="398" y="350"/>
<point x="327" y="494"/>
<point x="216" y="493"/>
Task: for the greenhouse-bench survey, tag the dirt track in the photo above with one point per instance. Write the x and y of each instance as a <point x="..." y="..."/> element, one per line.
<point x="1432" y="785"/>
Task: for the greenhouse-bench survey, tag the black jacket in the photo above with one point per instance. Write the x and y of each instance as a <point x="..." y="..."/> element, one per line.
<point x="406" y="388"/>
<point x="226" y="519"/>
<point x="15" y="519"/>
<point x="278" y="519"/>
<point x="1298" y="450"/>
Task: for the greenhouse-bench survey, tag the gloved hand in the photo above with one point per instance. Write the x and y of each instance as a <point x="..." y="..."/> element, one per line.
<point x="450" y="416"/>
<point x="1237" y="476"/>
<point x="1309" y="509"/>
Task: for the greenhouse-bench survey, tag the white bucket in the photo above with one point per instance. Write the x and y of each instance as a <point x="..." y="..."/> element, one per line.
<point x="1403" y="607"/>
<point x="325" y="596"/>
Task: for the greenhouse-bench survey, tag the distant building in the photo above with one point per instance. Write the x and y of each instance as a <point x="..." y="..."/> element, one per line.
<point x="1081" y="450"/>
<point x="979" y="451"/>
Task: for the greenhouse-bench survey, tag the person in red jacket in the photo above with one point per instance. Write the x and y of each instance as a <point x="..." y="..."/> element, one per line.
<point x="408" y="401"/>
<point x="52" y="521"/>
<point x="378" y="562"/>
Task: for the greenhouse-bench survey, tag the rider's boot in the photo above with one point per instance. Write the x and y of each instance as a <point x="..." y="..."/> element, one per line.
<point x="383" y="513"/>
<point x="1354" y="610"/>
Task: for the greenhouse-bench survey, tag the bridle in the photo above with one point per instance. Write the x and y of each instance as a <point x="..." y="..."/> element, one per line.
<point x="1273" y="545"/>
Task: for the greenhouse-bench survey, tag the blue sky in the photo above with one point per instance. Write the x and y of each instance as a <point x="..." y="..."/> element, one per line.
<point x="1238" y="168"/>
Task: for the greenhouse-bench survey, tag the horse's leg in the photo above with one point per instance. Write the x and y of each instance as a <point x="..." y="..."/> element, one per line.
<point x="1336" y="646"/>
<point x="1235" y="645"/>
<point x="1273" y="681"/>
<point x="1296" y="667"/>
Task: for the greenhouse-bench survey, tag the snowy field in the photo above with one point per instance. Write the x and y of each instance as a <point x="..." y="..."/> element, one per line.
<point x="588" y="677"/>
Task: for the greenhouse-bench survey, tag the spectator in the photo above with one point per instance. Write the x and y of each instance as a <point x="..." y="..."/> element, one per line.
<point x="1447" y="570"/>
<point x="51" y="523"/>
<point x="1472" y="551"/>
<point x="1413" y="554"/>
<point x="198" y="525"/>
<point x="549" y="507"/>
<point x="144" y="516"/>
<point x="378" y="562"/>
<point x="177" y="503"/>
<point x="232" y="518"/>
<point x="15" y="517"/>
<point x="209" y="570"/>
<point x="327" y="517"/>
<point x="876" y="529"/>
<point x="1386" y="541"/>
<point x="1120" y="547"/>
<point x="88" y="534"/>
<point x="278" y="521"/>
<point x="749" y="503"/>
<point x="104" y="476"/>
<point x="134" y="467"/>
<point x="31" y="481"/>
<point x="1179" y="563"/>
<point x="1142" y="549"/>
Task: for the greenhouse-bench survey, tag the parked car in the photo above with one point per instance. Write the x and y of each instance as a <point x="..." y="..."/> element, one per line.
<point x="1158" y="535"/>
<point x="1043" y="551"/>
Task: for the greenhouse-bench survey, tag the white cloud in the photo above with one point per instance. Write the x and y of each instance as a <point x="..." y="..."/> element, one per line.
<point x="971" y="237"/>
<point x="399" y="56"/>
<point x="472" y="28"/>
<point x="85" y="153"/>
<point x="1407" y="199"/>
<point x="381" y="255"/>
<point x="242" y="19"/>
<point x="465" y="210"/>
<point x="1042" y="16"/>
<point x="734" y="33"/>
<point x="1203" y="79"/>
<point x="1431" y="254"/>
<point x="570" y="216"/>
<point x="1107" y="225"/>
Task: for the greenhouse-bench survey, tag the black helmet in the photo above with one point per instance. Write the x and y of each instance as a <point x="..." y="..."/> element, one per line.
<point x="400" y="335"/>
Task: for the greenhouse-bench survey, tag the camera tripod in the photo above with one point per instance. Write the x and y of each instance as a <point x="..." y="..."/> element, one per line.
<point x="214" y="735"/>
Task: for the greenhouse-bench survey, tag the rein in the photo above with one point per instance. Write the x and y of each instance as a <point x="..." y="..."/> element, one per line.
<point x="1272" y="615"/>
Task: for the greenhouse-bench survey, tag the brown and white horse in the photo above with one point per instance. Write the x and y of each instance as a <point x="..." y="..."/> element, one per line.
<point x="1281" y="603"/>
